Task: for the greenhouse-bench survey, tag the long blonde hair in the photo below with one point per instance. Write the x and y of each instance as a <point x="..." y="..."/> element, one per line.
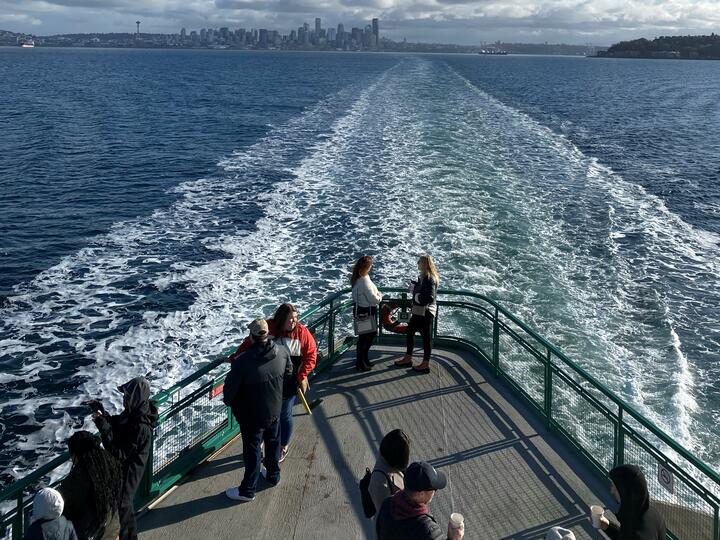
<point x="427" y="268"/>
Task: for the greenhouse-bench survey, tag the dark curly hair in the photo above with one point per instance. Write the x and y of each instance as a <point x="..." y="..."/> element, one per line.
<point x="102" y="469"/>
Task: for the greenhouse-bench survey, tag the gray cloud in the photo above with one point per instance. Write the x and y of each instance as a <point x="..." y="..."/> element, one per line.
<point x="460" y="21"/>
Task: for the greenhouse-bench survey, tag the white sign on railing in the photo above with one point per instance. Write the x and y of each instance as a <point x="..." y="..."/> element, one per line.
<point x="666" y="478"/>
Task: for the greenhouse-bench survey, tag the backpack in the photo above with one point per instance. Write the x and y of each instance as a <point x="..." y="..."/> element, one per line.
<point x="367" y="503"/>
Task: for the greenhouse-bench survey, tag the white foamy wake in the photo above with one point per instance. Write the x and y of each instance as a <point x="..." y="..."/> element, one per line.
<point x="418" y="161"/>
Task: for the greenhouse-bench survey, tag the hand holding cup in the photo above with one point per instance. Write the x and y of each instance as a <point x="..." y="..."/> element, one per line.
<point x="596" y="516"/>
<point x="456" y="526"/>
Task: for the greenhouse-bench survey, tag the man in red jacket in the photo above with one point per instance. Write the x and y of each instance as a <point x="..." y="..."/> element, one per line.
<point x="288" y="332"/>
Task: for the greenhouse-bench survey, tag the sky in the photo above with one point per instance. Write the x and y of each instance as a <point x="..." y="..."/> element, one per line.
<point x="468" y="22"/>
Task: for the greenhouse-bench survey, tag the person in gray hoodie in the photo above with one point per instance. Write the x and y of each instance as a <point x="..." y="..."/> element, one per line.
<point x="47" y="521"/>
<point x="387" y="476"/>
<point x="254" y="391"/>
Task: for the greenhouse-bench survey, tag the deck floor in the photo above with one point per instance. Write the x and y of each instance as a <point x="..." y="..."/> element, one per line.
<point x="507" y="475"/>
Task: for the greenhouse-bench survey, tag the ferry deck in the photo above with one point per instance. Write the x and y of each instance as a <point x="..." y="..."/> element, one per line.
<point x="507" y="474"/>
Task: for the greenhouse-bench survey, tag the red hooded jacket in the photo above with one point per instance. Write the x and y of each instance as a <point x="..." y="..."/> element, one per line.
<point x="300" y="343"/>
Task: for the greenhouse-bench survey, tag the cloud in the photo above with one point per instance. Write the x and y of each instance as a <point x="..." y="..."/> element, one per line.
<point x="462" y="21"/>
<point x="20" y="18"/>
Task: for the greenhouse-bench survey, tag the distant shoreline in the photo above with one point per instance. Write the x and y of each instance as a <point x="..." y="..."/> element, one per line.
<point x="324" y="51"/>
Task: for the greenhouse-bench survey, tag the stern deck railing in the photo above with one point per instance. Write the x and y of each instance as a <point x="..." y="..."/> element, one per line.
<point x="601" y="427"/>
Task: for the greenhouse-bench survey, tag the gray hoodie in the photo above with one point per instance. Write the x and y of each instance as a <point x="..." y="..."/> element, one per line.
<point x="379" y="488"/>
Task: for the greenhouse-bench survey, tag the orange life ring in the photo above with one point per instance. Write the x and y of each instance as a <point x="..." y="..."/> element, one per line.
<point x="389" y="322"/>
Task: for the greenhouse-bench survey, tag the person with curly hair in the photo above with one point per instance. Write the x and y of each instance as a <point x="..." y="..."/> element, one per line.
<point x="92" y="489"/>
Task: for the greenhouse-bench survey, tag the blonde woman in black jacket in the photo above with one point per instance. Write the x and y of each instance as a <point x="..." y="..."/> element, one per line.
<point x="424" y="310"/>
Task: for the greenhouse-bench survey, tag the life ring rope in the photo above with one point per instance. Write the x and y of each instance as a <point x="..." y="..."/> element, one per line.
<point x="389" y="322"/>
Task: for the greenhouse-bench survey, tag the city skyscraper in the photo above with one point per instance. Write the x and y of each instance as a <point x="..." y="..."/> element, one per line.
<point x="376" y="32"/>
<point x="317" y="26"/>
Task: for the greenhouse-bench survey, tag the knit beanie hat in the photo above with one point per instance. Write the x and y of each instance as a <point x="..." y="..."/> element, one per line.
<point x="47" y="504"/>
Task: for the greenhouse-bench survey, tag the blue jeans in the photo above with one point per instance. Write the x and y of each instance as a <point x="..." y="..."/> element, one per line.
<point x="251" y="438"/>
<point x="286" y="420"/>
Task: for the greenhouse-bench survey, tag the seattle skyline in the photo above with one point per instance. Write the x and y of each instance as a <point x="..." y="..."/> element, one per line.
<point x="433" y="21"/>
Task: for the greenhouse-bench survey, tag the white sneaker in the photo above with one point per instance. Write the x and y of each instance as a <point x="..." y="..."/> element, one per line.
<point x="284" y="453"/>
<point x="234" y="494"/>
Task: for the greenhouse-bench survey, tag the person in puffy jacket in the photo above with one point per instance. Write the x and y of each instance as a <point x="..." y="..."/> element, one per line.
<point x="366" y="298"/>
<point x="91" y="490"/>
<point x="47" y="521"/>
<point x="287" y="332"/>
<point x="639" y="520"/>
<point x="254" y="391"/>
<point x="128" y="437"/>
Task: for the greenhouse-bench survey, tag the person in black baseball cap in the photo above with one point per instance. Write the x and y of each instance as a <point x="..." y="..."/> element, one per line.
<point x="405" y="515"/>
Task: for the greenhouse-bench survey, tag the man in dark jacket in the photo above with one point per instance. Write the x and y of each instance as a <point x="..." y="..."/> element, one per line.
<point x="254" y="390"/>
<point x="404" y="516"/>
<point x="638" y="519"/>
<point x="128" y="437"/>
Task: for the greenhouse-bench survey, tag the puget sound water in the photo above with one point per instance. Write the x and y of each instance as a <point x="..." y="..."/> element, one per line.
<point x="153" y="202"/>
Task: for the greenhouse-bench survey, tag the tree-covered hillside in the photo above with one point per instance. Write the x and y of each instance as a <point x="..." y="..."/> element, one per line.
<point x="699" y="47"/>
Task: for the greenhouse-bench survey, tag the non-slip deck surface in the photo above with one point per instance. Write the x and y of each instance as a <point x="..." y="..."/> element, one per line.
<point x="507" y="476"/>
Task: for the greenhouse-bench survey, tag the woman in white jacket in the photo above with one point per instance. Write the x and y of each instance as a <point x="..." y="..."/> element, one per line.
<point x="366" y="297"/>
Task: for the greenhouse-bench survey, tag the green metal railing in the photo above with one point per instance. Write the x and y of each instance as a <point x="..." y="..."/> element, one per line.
<point x="603" y="429"/>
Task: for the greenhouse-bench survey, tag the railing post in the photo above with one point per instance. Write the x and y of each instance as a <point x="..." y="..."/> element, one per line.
<point x="548" y="389"/>
<point x="716" y="526"/>
<point x="496" y="343"/>
<point x="619" y="457"/>
<point x="19" y="525"/>
<point x="331" y="330"/>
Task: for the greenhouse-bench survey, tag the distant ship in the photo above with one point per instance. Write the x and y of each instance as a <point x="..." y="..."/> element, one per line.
<point x="492" y="51"/>
<point x="26" y="43"/>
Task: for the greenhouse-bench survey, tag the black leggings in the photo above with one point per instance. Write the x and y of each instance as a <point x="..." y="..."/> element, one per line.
<point x="364" y="343"/>
<point x="424" y="325"/>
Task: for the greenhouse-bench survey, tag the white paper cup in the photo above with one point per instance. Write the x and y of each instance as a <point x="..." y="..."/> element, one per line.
<point x="456" y="520"/>
<point x="596" y="513"/>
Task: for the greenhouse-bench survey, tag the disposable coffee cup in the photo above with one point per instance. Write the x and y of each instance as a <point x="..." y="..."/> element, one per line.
<point x="456" y="520"/>
<point x="596" y="513"/>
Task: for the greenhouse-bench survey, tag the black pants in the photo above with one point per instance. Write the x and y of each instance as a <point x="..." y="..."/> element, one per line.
<point x="252" y="437"/>
<point x="362" y="349"/>
<point x="128" y="525"/>
<point x="365" y="341"/>
<point x="424" y="325"/>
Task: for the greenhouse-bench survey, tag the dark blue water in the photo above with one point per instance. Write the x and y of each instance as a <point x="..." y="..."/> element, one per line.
<point x="152" y="202"/>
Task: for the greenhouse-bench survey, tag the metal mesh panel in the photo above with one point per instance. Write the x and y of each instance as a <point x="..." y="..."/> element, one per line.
<point x="582" y="419"/>
<point x="190" y="426"/>
<point x="686" y="513"/>
<point x="521" y="364"/>
<point x="462" y="322"/>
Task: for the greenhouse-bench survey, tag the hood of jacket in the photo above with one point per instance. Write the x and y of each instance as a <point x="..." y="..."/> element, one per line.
<point x="136" y="394"/>
<point x="47" y="504"/>
<point x="266" y="350"/>
<point x="403" y="508"/>
<point x="634" y="497"/>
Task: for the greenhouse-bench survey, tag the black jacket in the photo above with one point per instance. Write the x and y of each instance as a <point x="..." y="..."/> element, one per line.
<point x="128" y="436"/>
<point x="638" y="519"/>
<point x="51" y="529"/>
<point x="77" y="492"/>
<point x="398" y="520"/>
<point x="254" y="386"/>
<point x="425" y="291"/>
